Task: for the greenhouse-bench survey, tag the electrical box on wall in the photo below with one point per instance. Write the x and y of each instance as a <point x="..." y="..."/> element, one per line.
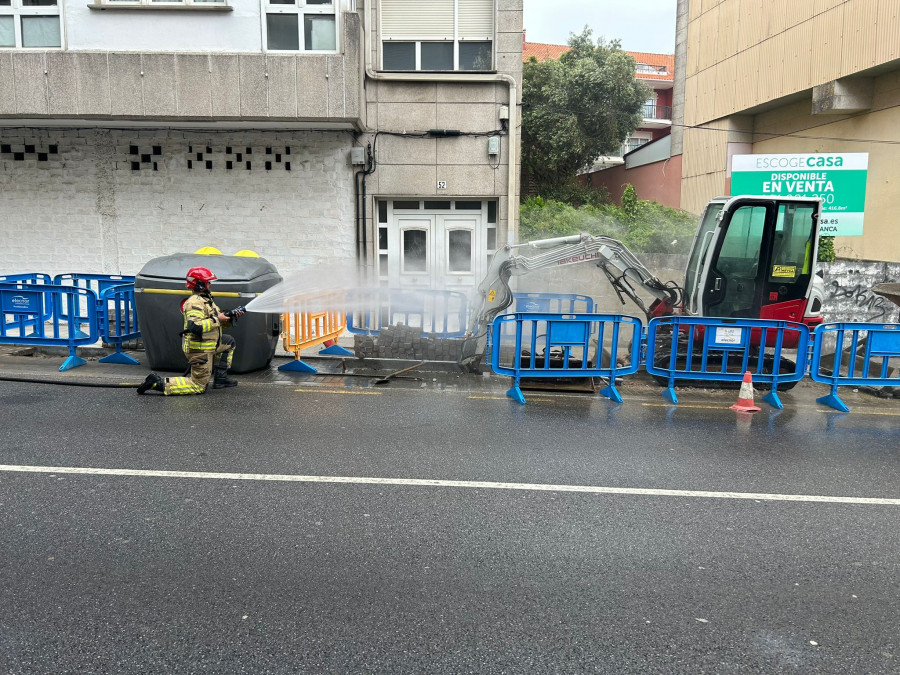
<point x="357" y="156"/>
<point x="494" y="146"/>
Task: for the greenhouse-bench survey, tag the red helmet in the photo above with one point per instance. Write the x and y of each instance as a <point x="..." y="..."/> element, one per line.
<point x="199" y="277"/>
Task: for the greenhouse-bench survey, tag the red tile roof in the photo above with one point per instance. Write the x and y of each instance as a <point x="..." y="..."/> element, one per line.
<point x="542" y="52"/>
<point x="545" y="52"/>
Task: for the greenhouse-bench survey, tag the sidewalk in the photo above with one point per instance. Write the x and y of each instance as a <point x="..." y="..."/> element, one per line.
<point x="42" y="365"/>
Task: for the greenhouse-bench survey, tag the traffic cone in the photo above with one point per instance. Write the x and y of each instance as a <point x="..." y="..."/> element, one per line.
<point x="745" y="398"/>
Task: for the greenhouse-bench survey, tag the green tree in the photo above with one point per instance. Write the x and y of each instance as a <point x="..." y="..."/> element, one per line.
<point x="576" y="109"/>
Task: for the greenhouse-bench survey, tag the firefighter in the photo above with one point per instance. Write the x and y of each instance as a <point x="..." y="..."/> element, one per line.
<point x="208" y="350"/>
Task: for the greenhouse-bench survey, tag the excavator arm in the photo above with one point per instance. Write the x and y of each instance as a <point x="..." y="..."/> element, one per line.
<point x="621" y="267"/>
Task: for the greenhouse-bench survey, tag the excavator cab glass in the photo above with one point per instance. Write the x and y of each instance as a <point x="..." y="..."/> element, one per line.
<point x="759" y="261"/>
<point x="697" y="258"/>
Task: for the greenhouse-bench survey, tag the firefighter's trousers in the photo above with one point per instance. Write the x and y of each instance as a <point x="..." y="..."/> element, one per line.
<point x="202" y="366"/>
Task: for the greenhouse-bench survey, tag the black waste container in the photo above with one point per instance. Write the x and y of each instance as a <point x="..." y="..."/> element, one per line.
<point x="160" y="288"/>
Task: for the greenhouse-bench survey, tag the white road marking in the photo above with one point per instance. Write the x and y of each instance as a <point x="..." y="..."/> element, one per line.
<point x="468" y="484"/>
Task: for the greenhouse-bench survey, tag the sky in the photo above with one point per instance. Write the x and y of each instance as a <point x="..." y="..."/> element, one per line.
<point x="641" y="25"/>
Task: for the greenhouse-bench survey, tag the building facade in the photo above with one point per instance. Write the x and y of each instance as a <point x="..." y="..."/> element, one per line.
<point x="310" y="131"/>
<point x="809" y="77"/>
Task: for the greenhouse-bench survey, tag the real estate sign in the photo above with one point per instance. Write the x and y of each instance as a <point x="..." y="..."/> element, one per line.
<point x="839" y="180"/>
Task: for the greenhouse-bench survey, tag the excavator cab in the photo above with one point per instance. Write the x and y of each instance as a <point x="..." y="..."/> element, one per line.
<point x="754" y="257"/>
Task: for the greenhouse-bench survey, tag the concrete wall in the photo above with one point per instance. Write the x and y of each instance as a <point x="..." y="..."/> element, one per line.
<point x="413" y="166"/>
<point x="741" y="53"/>
<point x="587" y="279"/>
<point x="658" y="182"/>
<point x="159" y="86"/>
<point x="848" y="291"/>
<point x="749" y="71"/>
<point x="84" y="208"/>
<point x="121" y="29"/>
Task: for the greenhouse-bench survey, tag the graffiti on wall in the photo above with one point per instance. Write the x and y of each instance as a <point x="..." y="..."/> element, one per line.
<point x="873" y="307"/>
<point x="849" y="295"/>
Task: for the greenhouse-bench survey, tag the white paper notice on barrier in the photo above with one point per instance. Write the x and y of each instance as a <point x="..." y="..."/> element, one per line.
<point x="728" y="335"/>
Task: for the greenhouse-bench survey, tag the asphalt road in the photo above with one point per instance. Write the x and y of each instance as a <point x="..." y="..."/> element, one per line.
<point x="209" y="534"/>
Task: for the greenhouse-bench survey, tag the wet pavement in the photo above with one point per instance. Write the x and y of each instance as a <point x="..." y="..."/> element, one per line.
<point x="322" y="523"/>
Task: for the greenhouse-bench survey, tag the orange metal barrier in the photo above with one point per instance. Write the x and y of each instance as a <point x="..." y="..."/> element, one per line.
<point x="302" y="330"/>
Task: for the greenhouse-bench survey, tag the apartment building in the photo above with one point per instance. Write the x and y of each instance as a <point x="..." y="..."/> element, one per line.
<point x="311" y="131"/>
<point x="659" y="182"/>
<point x="774" y="78"/>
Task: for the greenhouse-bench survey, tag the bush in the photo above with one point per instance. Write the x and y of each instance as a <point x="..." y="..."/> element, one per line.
<point x="826" y="249"/>
<point x="644" y="227"/>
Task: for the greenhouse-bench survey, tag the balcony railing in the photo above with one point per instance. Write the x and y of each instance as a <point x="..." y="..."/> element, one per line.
<point x="657" y="112"/>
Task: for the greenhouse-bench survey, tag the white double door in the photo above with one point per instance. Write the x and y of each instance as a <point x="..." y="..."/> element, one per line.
<point x="436" y="251"/>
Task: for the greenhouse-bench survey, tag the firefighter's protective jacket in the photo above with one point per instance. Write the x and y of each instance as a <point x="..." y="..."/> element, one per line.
<point x="202" y="311"/>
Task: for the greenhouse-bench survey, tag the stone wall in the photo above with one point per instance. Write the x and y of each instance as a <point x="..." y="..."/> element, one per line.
<point x="848" y="291"/>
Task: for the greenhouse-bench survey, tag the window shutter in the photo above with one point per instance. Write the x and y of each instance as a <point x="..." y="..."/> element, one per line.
<point x="416" y="19"/>
<point x="476" y="19"/>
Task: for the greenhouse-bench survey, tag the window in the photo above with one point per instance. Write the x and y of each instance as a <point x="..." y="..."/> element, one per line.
<point x="220" y="5"/>
<point x="459" y="251"/>
<point x="415" y="246"/>
<point x="301" y="25"/>
<point x="651" y="70"/>
<point x="439" y="35"/>
<point x="30" y="24"/>
<point x="792" y="250"/>
<point x="632" y="143"/>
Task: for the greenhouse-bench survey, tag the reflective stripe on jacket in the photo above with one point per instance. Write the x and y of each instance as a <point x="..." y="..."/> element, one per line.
<point x="205" y="313"/>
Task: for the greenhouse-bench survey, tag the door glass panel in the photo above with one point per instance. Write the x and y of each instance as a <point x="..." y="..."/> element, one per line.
<point x="468" y="206"/>
<point x="698" y="253"/>
<point x="415" y="253"/>
<point x="792" y="250"/>
<point x="738" y="261"/>
<point x="459" y="251"/>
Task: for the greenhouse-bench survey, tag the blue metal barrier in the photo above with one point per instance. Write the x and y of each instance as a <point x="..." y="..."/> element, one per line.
<point x="566" y="345"/>
<point x="29" y="279"/>
<point x="705" y="348"/>
<point x="438" y="313"/>
<point x="24" y="307"/>
<point x="118" y="321"/>
<point x="857" y="347"/>
<point x="93" y="282"/>
<point x="553" y="303"/>
<point x="545" y="303"/>
<point x="36" y="278"/>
